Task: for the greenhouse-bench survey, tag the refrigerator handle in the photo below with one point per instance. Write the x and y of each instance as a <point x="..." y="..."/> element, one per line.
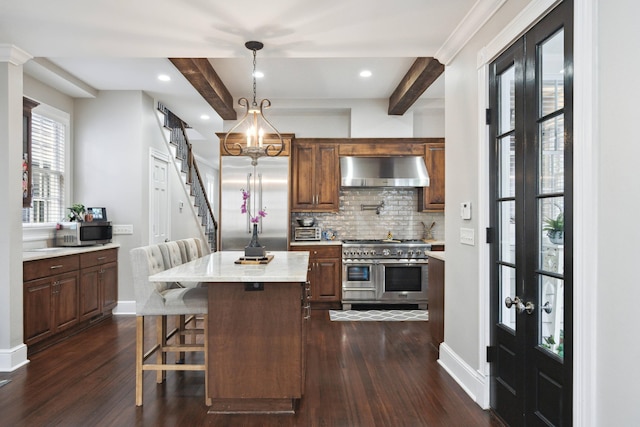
<point x="249" y="202"/>
<point x="260" y="201"/>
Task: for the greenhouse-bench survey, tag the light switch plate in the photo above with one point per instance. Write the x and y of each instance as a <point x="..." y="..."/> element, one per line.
<point x="123" y="229"/>
<point x="467" y="236"/>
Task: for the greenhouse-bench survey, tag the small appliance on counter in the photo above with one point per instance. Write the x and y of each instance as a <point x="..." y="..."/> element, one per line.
<point x="307" y="233"/>
<point x="94" y="230"/>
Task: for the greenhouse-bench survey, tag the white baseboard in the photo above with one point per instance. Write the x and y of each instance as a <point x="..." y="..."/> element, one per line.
<point x="13" y="358"/>
<point x="125" y="308"/>
<point x="472" y="382"/>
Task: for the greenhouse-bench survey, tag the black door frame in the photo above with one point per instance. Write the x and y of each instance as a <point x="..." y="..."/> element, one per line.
<point x="526" y="144"/>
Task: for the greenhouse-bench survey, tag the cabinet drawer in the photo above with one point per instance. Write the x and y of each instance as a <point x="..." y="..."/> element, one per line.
<point x="90" y="259"/>
<point x="49" y="266"/>
<point x="331" y="251"/>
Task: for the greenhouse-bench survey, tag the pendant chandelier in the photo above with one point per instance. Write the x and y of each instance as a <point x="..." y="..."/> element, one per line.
<point x="262" y="138"/>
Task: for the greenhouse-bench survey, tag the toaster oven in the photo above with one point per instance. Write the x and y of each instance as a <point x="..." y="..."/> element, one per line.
<point x="307" y="233"/>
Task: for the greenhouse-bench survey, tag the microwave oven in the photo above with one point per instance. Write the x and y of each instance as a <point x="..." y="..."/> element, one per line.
<point x="83" y="233"/>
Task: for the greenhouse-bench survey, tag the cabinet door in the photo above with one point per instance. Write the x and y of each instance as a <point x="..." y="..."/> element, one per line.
<point x="327" y="178"/>
<point x="90" y="292"/>
<point x="65" y="301"/>
<point x="302" y="177"/>
<point x="109" y="281"/>
<point x="37" y="310"/>
<point x="432" y="197"/>
<point x="326" y="283"/>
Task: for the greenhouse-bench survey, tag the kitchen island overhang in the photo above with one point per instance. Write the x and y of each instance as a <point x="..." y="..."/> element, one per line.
<point x="256" y="357"/>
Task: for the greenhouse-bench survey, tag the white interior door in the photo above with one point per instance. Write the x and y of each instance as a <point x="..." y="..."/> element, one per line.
<point x="159" y="198"/>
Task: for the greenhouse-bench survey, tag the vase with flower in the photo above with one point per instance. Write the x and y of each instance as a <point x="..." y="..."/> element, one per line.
<point x="254" y="249"/>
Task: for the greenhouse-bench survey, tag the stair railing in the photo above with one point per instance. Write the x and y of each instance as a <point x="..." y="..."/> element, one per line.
<point x="188" y="165"/>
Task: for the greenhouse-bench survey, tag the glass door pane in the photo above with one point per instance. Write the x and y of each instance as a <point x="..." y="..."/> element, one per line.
<point x="551" y="187"/>
<point x="506" y="188"/>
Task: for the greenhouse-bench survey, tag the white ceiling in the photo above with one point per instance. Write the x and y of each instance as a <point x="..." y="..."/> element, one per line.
<point x="313" y="49"/>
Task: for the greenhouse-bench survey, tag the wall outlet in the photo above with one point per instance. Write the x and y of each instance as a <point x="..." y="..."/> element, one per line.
<point x="123" y="229"/>
<point x="467" y="236"/>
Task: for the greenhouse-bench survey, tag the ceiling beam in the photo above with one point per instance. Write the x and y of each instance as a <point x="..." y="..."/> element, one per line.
<point x="205" y="80"/>
<point x="420" y="76"/>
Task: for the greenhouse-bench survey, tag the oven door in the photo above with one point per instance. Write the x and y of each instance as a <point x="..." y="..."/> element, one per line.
<point x="404" y="281"/>
<point x="359" y="281"/>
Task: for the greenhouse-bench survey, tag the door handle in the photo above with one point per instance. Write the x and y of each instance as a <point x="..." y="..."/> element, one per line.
<point x="519" y="306"/>
<point x="517" y="302"/>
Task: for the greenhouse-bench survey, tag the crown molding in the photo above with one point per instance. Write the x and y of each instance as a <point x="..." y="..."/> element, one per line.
<point x="526" y="19"/>
<point x="475" y="19"/>
<point x="14" y="55"/>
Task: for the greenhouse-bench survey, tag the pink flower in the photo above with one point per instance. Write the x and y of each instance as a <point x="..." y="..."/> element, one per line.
<point x="245" y="208"/>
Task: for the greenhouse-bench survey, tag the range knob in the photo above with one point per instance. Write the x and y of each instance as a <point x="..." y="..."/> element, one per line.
<point x="418" y="252"/>
<point x="385" y="252"/>
<point x="373" y="252"/>
<point x="410" y="252"/>
<point x="399" y="252"/>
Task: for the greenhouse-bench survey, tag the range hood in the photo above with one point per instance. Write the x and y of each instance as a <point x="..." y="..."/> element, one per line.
<point x="399" y="171"/>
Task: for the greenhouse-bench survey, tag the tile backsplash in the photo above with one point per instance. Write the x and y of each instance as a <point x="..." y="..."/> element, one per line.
<point x="399" y="215"/>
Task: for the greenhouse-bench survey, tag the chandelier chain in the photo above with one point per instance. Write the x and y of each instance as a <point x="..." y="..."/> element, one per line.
<point x="255" y="104"/>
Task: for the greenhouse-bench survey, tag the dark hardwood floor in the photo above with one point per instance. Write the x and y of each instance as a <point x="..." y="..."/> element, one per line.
<point x="359" y="374"/>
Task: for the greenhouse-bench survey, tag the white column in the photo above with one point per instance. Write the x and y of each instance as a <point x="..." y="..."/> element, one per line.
<point x="13" y="352"/>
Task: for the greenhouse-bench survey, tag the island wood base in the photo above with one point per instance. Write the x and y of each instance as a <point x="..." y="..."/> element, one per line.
<point x="256" y="349"/>
<point x="252" y="406"/>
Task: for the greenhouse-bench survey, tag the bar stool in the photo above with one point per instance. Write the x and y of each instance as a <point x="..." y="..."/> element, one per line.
<point x="161" y="300"/>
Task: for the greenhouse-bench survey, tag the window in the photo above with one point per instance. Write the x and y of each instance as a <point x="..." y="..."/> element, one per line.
<point x="49" y="136"/>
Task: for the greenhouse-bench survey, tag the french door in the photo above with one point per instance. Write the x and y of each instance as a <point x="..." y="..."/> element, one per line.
<point x="531" y="222"/>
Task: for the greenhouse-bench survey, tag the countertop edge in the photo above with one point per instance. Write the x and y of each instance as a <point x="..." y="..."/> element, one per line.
<point x="38" y="254"/>
<point x="436" y="254"/>
<point x="316" y="243"/>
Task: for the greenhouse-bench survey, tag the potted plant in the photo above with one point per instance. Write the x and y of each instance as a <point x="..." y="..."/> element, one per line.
<point x="555" y="229"/>
<point x="76" y="212"/>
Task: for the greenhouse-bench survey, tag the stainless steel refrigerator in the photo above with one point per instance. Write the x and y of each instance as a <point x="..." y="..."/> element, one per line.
<point x="272" y="188"/>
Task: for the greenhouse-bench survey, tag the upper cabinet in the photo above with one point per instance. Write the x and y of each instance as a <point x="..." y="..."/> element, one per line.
<point x="27" y="106"/>
<point x="431" y="198"/>
<point x="315" y="176"/>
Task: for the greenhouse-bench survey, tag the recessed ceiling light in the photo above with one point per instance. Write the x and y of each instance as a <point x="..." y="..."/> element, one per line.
<point x="204" y="117"/>
<point x="164" y="78"/>
<point x="365" y="73"/>
<point x="258" y="74"/>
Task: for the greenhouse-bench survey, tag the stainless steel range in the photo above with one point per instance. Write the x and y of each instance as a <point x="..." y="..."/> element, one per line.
<point x="384" y="272"/>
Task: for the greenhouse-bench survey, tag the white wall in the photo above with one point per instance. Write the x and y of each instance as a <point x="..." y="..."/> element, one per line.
<point x="618" y="343"/>
<point x="113" y="135"/>
<point x="111" y="166"/>
<point x="462" y="317"/>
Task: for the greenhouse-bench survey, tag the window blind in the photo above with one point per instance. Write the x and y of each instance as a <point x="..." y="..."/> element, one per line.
<point x="47" y="170"/>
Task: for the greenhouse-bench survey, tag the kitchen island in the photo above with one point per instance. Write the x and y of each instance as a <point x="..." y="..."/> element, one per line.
<point x="258" y="316"/>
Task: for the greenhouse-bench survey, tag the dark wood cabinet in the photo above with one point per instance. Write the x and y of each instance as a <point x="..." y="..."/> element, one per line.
<point x="27" y="106"/>
<point x="435" y="293"/>
<point x="315" y="177"/>
<point x="325" y="273"/>
<point x="431" y="198"/>
<point x="50" y="301"/>
<point x="66" y="293"/>
<point x="99" y="282"/>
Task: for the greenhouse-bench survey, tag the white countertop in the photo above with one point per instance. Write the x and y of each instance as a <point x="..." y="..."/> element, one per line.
<point x="43" y="253"/>
<point x="436" y="254"/>
<point x="315" y="242"/>
<point x="220" y="267"/>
